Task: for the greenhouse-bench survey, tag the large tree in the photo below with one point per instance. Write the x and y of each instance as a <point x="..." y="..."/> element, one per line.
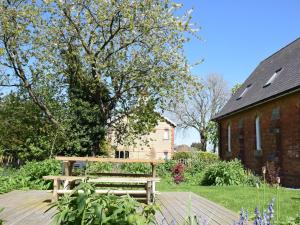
<point x="90" y="65"/>
<point x="199" y="104"/>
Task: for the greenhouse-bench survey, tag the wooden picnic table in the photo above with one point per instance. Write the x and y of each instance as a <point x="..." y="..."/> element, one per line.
<point x="109" y="180"/>
<point x="69" y="161"/>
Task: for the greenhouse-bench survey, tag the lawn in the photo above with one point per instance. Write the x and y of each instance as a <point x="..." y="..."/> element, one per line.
<point x="237" y="197"/>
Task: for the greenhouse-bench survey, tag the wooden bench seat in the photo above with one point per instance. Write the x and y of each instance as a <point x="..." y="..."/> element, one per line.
<point x="148" y="183"/>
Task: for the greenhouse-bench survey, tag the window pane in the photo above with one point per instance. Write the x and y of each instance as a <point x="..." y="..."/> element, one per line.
<point x="258" y="133"/>
<point x="229" y="138"/>
<point x="166" y="134"/>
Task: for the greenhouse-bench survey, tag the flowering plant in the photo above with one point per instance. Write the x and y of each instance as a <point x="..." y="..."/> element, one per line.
<point x="261" y="218"/>
<point x="178" y="173"/>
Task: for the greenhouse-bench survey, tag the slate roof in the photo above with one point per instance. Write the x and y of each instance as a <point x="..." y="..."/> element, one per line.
<point x="288" y="79"/>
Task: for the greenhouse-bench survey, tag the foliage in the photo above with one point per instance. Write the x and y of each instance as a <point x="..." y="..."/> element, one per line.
<point x="291" y="221"/>
<point x="196" y="146"/>
<point x="212" y="134"/>
<point x="91" y="208"/>
<point x="272" y="173"/>
<point x="142" y="168"/>
<point x="99" y="167"/>
<point x="235" y="88"/>
<point x="178" y="173"/>
<point x="182" y="155"/>
<point x="30" y="176"/>
<point x="265" y="217"/>
<point x="225" y="173"/>
<point x="90" y="66"/>
<point x="25" y="133"/>
<point x="1" y="221"/>
<point x="165" y="169"/>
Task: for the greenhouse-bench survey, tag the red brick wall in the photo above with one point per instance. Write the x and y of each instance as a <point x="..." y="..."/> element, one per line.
<point x="280" y="137"/>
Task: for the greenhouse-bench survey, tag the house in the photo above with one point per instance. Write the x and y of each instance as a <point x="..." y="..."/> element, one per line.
<point x="182" y="148"/>
<point x="261" y="121"/>
<point x="159" y="144"/>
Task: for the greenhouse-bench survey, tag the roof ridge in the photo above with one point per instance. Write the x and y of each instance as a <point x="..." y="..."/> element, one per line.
<point x="297" y="39"/>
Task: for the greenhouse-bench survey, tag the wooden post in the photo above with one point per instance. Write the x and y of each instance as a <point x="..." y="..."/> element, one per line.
<point x="56" y="187"/>
<point x="68" y="166"/>
<point x="153" y="182"/>
<point x="153" y="170"/>
<point x="148" y="192"/>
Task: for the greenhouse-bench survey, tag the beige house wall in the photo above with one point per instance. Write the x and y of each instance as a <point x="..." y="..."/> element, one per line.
<point x="157" y="146"/>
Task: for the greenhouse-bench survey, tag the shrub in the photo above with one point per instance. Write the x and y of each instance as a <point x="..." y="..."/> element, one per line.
<point x="143" y="168"/>
<point x="165" y="168"/>
<point x="226" y="173"/>
<point x="99" y="167"/>
<point x="30" y="176"/>
<point x="178" y="173"/>
<point x="91" y="208"/>
<point x="182" y="155"/>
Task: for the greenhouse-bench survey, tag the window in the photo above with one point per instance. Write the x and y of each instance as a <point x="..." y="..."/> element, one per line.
<point x="258" y="133"/>
<point x="244" y="92"/>
<point x="122" y="154"/>
<point x="229" y="138"/>
<point x="276" y="114"/>
<point x="273" y="77"/>
<point x="166" y="155"/>
<point x="166" y="134"/>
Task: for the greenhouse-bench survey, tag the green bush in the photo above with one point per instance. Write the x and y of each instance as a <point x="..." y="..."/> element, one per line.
<point x="29" y="176"/>
<point x="91" y="208"/>
<point x="99" y="167"/>
<point x="226" y="173"/>
<point x="182" y="155"/>
<point x="140" y="168"/>
<point x="165" y="168"/>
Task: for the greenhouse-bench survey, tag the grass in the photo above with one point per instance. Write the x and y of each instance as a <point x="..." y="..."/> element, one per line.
<point x="237" y="197"/>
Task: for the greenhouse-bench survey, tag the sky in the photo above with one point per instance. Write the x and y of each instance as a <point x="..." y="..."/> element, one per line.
<point x="237" y="35"/>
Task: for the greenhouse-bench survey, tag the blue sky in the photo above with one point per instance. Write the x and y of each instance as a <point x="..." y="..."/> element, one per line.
<point x="237" y="35"/>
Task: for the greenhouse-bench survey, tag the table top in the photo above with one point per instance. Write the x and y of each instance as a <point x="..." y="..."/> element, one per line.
<point x="112" y="160"/>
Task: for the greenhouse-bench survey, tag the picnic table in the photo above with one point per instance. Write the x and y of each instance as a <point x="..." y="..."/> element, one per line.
<point x="108" y="179"/>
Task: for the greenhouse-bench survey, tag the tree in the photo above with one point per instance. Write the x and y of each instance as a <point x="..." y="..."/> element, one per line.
<point x="235" y="88"/>
<point x="197" y="107"/>
<point x="196" y="146"/>
<point x="90" y="65"/>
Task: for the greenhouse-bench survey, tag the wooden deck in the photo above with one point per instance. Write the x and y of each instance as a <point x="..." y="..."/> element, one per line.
<point x="28" y="207"/>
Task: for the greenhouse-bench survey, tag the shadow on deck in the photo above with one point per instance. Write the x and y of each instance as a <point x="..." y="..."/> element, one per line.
<point x="28" y="207"/>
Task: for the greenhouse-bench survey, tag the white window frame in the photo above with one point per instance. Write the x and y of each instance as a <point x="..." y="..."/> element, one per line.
<point x="244" y="92"/>
<point x="229" y="138"/>
<point x="258" y="133"/>
<point x="166" y="134"/>
<point x="166" y="155"/>
<point x="273" y="77"/>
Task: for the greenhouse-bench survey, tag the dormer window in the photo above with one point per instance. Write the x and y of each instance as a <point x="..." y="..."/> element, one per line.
<point x="273" y="77"/>
<point x="244" y="92"/>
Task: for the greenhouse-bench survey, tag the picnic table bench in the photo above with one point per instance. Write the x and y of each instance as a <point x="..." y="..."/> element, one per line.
<point x="63" y="183"/>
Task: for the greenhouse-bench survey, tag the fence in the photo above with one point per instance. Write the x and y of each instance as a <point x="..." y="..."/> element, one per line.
<point x="9" y="161"/>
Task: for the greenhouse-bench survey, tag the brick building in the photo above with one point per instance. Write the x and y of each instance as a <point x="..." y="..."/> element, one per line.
<point x="158" y="144"/>
<point x="261" y="121"/>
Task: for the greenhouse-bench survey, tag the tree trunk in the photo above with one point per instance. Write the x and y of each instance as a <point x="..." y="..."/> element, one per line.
<point x="203" y="141"/>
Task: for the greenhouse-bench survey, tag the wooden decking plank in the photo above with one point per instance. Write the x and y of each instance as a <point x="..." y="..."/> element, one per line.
<point x="167" y="210"/>
<point x="206" y="212"/>
<point x="183" y="200"/>
<point x="219" y="210"/>
<point x="176" y="210"/>
<point x="28" y="207"/>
